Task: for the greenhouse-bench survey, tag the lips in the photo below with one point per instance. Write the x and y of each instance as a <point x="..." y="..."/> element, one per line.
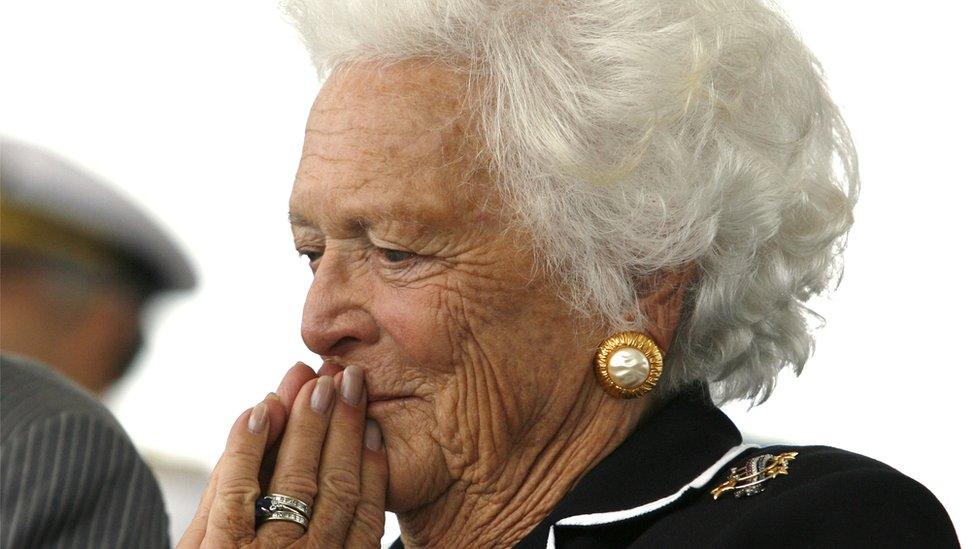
<point x="332" y="366"/>
<point x="389" y="406"/>
<point x="384" y="398"/>
<point x="390" y="398"/>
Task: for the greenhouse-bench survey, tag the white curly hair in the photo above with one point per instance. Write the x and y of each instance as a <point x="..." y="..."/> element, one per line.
<point x="632" y="136"/>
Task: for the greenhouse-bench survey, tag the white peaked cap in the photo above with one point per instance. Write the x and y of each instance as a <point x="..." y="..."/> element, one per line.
<point x="42" y="183"/>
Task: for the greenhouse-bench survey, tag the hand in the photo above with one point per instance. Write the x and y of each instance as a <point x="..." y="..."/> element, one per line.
<point x="330" y="456"/>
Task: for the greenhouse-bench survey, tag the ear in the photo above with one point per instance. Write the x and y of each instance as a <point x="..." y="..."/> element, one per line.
<point x="661" y="297"/>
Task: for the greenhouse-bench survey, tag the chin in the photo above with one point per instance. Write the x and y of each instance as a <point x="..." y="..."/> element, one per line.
<point x="417" y="472"/>
<point x="412" y="482"/>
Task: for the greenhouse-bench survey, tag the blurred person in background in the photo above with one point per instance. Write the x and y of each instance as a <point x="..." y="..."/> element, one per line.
<point x="79" y="265"/>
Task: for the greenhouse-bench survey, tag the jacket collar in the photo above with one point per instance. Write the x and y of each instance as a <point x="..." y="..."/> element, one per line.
<point x="681" y="446"/>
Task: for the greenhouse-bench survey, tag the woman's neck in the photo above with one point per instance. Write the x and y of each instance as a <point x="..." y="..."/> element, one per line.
<point x="502" y="510"/>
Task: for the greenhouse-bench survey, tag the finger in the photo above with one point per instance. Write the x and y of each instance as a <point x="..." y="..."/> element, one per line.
<point x="295" y="378"/>
<point x="231" y="519"/>
<point x="277" y="418"/>
<point x="366" y="529"/>
<point x="195" y="532"/>
<point x="278" y="411"/>
<point x="339" y="472"/>
<point x="296" y="471"/>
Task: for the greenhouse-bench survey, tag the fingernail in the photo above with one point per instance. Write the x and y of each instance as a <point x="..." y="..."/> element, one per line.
<point x="259" y="418"/>
<point x="352" y="385"/>
<point x="272" y="396"/>
<point x="374" y="438"/>
<point x="322" y="394"/>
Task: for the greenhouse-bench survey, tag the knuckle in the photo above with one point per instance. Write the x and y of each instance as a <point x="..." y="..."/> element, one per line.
<point x="327" y="541"/>
<point x="370" y="516"/>
<point x="279" y="534"/>
<point x="308" y="431"/>
<point x="343" y="487"/>
<point x="234" y="530"/>
<point x="362" y="536"/>
<point x="240" y="457"/>
<point x="295" y="484"/>
<point x="239" y="491"/>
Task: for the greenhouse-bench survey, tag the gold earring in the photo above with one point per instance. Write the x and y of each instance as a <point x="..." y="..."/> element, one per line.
<point x="628" y="364"/>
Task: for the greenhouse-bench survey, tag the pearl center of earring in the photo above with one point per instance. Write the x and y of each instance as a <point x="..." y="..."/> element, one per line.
<point x="628" y="367"/>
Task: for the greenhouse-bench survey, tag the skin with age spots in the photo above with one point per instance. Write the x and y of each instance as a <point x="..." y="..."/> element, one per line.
<point x="478" y="374"/>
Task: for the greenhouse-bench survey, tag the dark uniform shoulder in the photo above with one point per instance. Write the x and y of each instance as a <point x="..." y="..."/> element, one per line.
<point x="701" y="487"/>
<point x="68" y="468"/>
<point x="33" y="394"/>
<point x="818" y="497"/>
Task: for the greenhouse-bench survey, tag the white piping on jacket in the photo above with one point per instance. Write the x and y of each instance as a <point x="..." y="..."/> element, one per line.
<point x="594" y="519"/>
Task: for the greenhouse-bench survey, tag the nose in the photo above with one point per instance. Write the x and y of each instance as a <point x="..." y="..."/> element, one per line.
<point x="336" y="321"/>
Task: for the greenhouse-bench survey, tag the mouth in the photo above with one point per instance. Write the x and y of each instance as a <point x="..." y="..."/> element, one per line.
<point x="380" y="401"/>
<point x="383" y="403"/>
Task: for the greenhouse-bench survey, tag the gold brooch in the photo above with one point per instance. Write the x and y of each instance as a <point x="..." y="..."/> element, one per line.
<point x="748" y="479"/>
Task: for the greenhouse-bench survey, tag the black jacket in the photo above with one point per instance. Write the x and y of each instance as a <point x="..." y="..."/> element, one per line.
<point x="655" y="491"/>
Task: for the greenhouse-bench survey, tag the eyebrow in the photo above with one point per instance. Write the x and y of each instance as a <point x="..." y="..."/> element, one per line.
<point x="298" y="220"/>
<point x="362" y="223"/>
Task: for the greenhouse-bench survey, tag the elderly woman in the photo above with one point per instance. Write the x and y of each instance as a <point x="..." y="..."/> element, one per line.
<point x="545" y="238"/>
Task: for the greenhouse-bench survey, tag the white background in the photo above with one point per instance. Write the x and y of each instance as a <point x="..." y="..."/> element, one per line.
<point x="196" y="109"/>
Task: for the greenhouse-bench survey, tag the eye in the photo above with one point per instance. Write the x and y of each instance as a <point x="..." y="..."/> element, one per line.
<point x="396" y="256"/>
<point x="311" y="255"/>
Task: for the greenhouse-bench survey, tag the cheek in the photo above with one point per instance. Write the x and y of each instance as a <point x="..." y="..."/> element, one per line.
<point x="436" y="334"/>
<point x="491" y="362"/>
<point x="420" y="348"/>
<point x="426" y="342"/>
<point x="413" y="319"/>
<point x="487" y="402"/>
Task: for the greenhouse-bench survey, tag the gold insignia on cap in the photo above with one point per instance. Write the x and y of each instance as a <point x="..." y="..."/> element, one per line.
<point x="748" y="479"/>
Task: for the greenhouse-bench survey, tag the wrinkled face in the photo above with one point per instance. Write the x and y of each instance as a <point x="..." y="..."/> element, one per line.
<point x="420" y="279"/>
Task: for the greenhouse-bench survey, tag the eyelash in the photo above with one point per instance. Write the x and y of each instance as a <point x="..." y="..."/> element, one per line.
<point x="311" y="256"/>
<point x="398" y="256"/>
<point x="401" y="256"/>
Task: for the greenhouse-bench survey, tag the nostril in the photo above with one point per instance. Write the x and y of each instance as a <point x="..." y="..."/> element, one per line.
<point x="342" y="345"/>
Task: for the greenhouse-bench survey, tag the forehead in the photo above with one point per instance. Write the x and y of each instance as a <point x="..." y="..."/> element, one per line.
<point x="391" y="140"/>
